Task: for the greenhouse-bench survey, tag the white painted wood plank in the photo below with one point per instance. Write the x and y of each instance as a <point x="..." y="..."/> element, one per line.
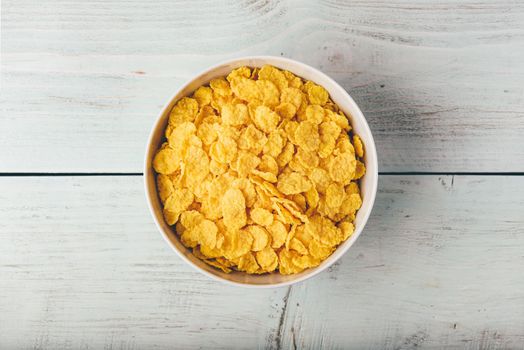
<point x="440" y="82"/>
<point x="439" y="265"/>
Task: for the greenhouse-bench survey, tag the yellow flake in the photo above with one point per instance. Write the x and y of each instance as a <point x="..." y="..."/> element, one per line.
<point x="316" y="94"/>
<point x="315" y="114"/>
<point x="235" y="115"/>
<point x="318" y="250"/>
<point x="245" y="163"/>
<point x="359" y="148"/>
<point x="286" y="110"/>
<point x="165" y="187"/>
<point x="260" y="236"/>
<point x="297" y="245"/>
<point x="218" y="265"/>
<point x="275" y="143"/>
<point x="265" y="119"/>
<point x="305" y="261"/>
<point x="293" y="183"/>
<point x="178" y="202"/>
<point x="224" y="151"/>
<point x="166" y="161"/>
<point x="342" y="168"/>
<point x="261" y="216"/>
<point x="293" y="96"/>
<point x="335" y="195"/>
<point x="203" y="95"/>
<point x="274" y="75"/>
<point x="184" y="110"/>
<point x="252" y="139"/>
<point x="270" y="94"/>
<point x="267" y="259"/>
<point x="248" y="263"/>
<point x="220" y="87"/>
<point x="360" y="170"/>
<point x="248" y="190"/>
<point x="246" y="89"/>
<point x="286" y="265"/>
<point x="236" y="243"/>
<point x="308" y="160"/>
<point x="347" y="229"/>
<point x="278" y="233"/>
<point x="242" y="72"/>
<point x="307" y="136"/>
<point x="287" y="154"/>
<point x="207" y="133"/>
<point x="234" y="209"/>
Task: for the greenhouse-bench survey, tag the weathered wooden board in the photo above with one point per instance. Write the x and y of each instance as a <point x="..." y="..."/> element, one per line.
<point x="438" y="266"/>
<point x="440" y="82"/>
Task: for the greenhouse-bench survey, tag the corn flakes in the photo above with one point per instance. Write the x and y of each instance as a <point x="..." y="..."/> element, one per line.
<point x="258" y="172"/>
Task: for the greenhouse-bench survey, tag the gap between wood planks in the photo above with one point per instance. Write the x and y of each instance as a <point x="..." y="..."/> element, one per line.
<point x="400" y="173"/>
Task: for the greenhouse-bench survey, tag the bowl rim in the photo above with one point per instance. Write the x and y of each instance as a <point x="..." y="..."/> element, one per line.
<point x="373" y="177"/>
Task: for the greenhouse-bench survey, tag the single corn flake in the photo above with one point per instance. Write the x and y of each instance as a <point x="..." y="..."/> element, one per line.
<point x="318" y="250"/>
<point x="274" y="75"/>
<point x="360" y="170"/>
<point x="224" y="151"/>
<point x="307" y="136"/>
<point x="359" y="147"/>
<point x="268" y="164"/>
<point x="293" y="183"/>
<point x="203" y="95"/>
<point x="261" y="216"/>
<point x="206" y="233"/>
<point x="335" y="195"/>
<point x="220" y="87"/>
<point x="287" y="154"/>
<point x="293" y="96"/>
<point x="236" y="243"/>
<point x="278" y="233"/>
<point x="286" y="265"/>
<point x="315" y="114"/>
<point x="246" y="89"/>
<point x="342" y="168"/>
<point x="235" y="115"/>
<point x="234" y="209"/>
<point x="275" y="143"/>
<point x="242" y="72"/>
<point x="286" y="110"/>
<point x="270" y="94"/>
<point x="317" y="95"/>
<point x="252" y="139"/>
<point x="245" y="163"/>
<point x="178" y="202"/>
<point x="308" y="160"/>
<point x="184" y="110"/>
<point x="267" y="259"/>
<point x="260" y="236"/>
<point x="248" y="263"/>
<point x="165" y="187"/>
<point x="265" y="119"/>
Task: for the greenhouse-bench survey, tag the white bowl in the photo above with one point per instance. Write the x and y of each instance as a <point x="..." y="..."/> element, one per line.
<point x="368" y="183"/>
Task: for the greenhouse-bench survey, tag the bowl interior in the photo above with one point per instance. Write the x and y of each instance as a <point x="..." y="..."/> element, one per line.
<point x="368" y="183"/>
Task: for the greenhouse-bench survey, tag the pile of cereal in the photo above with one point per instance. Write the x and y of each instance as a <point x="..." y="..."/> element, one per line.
<point x="259" y="172"/>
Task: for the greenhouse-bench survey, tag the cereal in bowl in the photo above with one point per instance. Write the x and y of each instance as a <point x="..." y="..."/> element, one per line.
<point x="259" y="172"/>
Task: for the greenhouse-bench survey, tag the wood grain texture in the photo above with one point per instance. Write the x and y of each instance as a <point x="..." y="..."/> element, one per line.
<point x="438" y="266"/>
<point x="439" y="81"/>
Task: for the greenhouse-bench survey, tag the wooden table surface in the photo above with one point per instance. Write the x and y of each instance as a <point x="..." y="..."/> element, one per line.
<point x="440" y="263"/>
